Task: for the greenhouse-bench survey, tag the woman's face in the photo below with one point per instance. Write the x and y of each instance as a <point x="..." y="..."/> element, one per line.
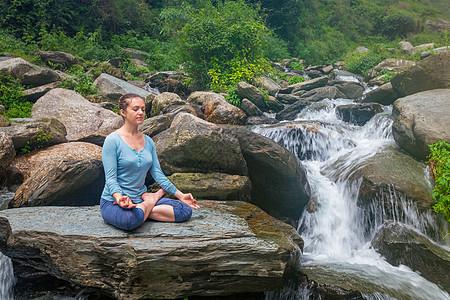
<point x="135" y="112"/>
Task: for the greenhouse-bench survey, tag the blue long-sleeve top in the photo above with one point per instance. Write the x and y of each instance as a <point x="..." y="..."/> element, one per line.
<point x="126" y="169"/>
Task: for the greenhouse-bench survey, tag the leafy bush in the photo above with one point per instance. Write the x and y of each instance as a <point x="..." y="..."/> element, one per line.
<point x="362" y="62"/>
<point x="11" y="98"/>
<point x="223" y="45"/>
<point x="439" y="161"/>
<point x="296" y="79"/>
<point x="398" y="24"/>
<point x="232" y="97"/>
<point x="39" y="142"/>
<point x="388" y="75"/>
<point x="83" y="82"/>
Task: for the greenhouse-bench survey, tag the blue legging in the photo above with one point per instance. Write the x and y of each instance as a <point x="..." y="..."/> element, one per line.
<point x="129" y="219"/>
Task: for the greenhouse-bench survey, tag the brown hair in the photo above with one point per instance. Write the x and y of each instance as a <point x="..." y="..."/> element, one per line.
<point x="124" y="100"/>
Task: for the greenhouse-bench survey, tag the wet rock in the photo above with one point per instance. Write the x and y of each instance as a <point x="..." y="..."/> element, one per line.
<point x="390" y="64"/>
<point x="15" y="67"/>
<point x="401" y="244"/>
<point x="273" y="104"/>
<point x="34" y="94"/>
<point x="196" y="146"/>
<point x="135" y="53"/>
<point x="318" y="94"/>
<point x="216" y="109"/>
<point x="305" y="85"/>
<point x="113" y="88"/>
<point x="420" y="120"/>
<point x="288" y="98"/>
<point x="40" y="132"/>
<point x="341" y="75"/>
<point x="268" y="84"/>
<point x="385" y="95"/>
<point x="279" y="184"/>
<point x="250" y="109"/>
<point x="40" y="77"/>
<point x="252" y="93"/>
<point x="213" y="186"/>
<point x="291" y="112"/>
<point x="246" y="250"/>
<point x="58" y="57"/>
<point x="164" y="100"/>
<point x="358" y="114"/>
<point x="350" y="90"/>
<point x="65" y="174"/>
<point x="259" y="120"/>
<point x="431" y="73"/>
<point x="153" y="126"/>
<point x="83" y="120"/>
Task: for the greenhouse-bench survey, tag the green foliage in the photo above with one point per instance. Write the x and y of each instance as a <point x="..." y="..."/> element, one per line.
<point x="362" y="62"/>
<point x="297" y="66"/>
<point x="439" y="161"/>
<point x="387" y="75"/>
<point x="82" y="83"/>
<point x="11" y="98"/>
<point x="399" y="25"/>
<point x="232" y="97"/>
<point x="276" y="49"/>
<point x="444" y="38"/>
<point x="39" y="142"/>
<point x="296" y="79"/>
<point x="222" y="45"/>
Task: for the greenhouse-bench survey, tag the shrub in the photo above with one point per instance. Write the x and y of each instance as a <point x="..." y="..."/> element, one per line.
<point x="232" y="97"/>
<point x="83" y="82"/>
<point x="11" y="98"/>
<point x="362" y="62"/>
<point x="296" y="79"/>
<point x="398" y="24"/>
<point x="39" y="142"/>
<point x="439" y="161"/>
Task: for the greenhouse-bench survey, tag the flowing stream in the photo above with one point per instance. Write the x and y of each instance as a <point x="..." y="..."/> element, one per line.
<point x="6" y="267"/>
<point x="337" y="233"/>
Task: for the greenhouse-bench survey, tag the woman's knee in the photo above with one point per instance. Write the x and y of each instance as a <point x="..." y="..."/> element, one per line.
<point x="126" y="219"/>
<point x="181" y="211"/>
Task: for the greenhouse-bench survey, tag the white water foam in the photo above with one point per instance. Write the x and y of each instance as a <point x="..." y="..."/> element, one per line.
<point x="6" y="278"/>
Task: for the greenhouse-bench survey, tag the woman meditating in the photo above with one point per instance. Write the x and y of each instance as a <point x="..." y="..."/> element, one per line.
<point x="127" y="156"/>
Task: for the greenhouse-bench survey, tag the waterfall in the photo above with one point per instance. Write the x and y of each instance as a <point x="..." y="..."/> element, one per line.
<point x="6" y="278"/>
<point x="337" y="232"/>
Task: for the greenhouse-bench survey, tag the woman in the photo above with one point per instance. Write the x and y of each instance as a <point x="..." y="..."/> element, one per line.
<point x="127" y="156"/>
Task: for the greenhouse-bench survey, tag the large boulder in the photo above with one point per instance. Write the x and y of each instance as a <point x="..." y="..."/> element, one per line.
<point x="390" y="64"/>
<point x="83" y="120"/>
<point x="169" y="81"/>
<point x="40" y="77"/>
<point x="34" y="94"/>
<point x="36" y="133"/>
<point x="216" y="109"/>
<point x="225" y="248"/>
<point x="15" y="67"/>
<point x="252" y="93"/>
<point x="305" y="85"/>
<point x="291" y="112"/>
<point x="7" y="153"/>
<point x="358" y="114"/>
<point x="196" y="146"/>
<point x="113" y="88"/>
<point x="438" y="25"/>
<point x="430" y="73"/>
<point x="65" y="174"/>
<point x="420" y="120"/>
<point x="250" y="109"/>
<point x="350" y="90"/>
<point x="212" y="186"/>
<point x="320" y="93"/>
<point x="268" y="84"/>
<point x="287" y="98"/>
<point x="279" y="184"/>
<point x="404" y="245"/>
<point x="153" y="126"/>
<point x="163" y="101"/>
<point x="385" y="95"/>
<point x="58" y="58"/>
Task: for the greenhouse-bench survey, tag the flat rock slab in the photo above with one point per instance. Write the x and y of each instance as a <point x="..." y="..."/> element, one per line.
<point x="225" y="248"/>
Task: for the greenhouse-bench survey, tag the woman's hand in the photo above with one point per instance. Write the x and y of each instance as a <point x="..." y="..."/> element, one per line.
<point x="189" y="200"/>
<point x="125" y="202"/>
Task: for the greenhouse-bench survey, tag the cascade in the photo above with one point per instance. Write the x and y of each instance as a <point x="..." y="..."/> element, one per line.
<point x="337" y="233"/>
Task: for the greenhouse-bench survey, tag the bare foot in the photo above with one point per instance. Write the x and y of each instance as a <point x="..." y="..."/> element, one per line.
<point x="154" y="197"/>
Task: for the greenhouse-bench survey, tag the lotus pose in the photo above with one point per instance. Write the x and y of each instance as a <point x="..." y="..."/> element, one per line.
<point x="127" y="156"/>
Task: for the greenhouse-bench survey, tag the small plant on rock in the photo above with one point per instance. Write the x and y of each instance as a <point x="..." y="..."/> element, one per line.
<point x="39" y="142"/>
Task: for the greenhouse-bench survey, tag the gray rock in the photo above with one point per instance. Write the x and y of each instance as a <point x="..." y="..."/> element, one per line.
<point x="40" y="77"/>
<point x="41" y="132"/>
<point x="135" y="53"/>
<point x="431" y="73"/>
<point x="15" y="67"/>
<point x="339" y="65"/>
<point x="320" y="93"/>
<point x="385" y="95"/>
<point x="34" y="94"/>
<point x="252" y="93"/>
<point x="7" y="153"/>
<point x="153" y="126"/>
<point x="170" y="82"/>
<point x="351" y="90"/>
<point x="341" y="75"/>
<point x="401" y="244"/>
<point x="226" y="248"/>
<point x="195" y="146"/>
<point x="358" y="114"/>
<point x="361" y="49"/>
<point x="268" y="84"/>
<point x="259" y="120"/>
<point x="420" y="120"/>
<point x="83" y="120"/>
<point x="438" y="25"/>
<point x="216" y="109"/>
<point x="425" y="54"/>
<point x="287" y="98"/>
<point x="65" y="174"/>
<point x="138" y="63"/>
<point x="305" y="85"/>
<point x="327" y="69"/>
<point x="116" y="61"/>
<point x="140" y="84"/>
<point x="273" y="104"/>
<point x="164" y="100"/>
<point x="212" y="186"/>
<point x="58" y="57"/>
<point x="406" y="47"/>
<point x="4" y="122"/>
<point x="291" y="112"/>
<point x="113" y="88"/>
<point x="390" y="64"/>
<point x="250" y="109"/>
